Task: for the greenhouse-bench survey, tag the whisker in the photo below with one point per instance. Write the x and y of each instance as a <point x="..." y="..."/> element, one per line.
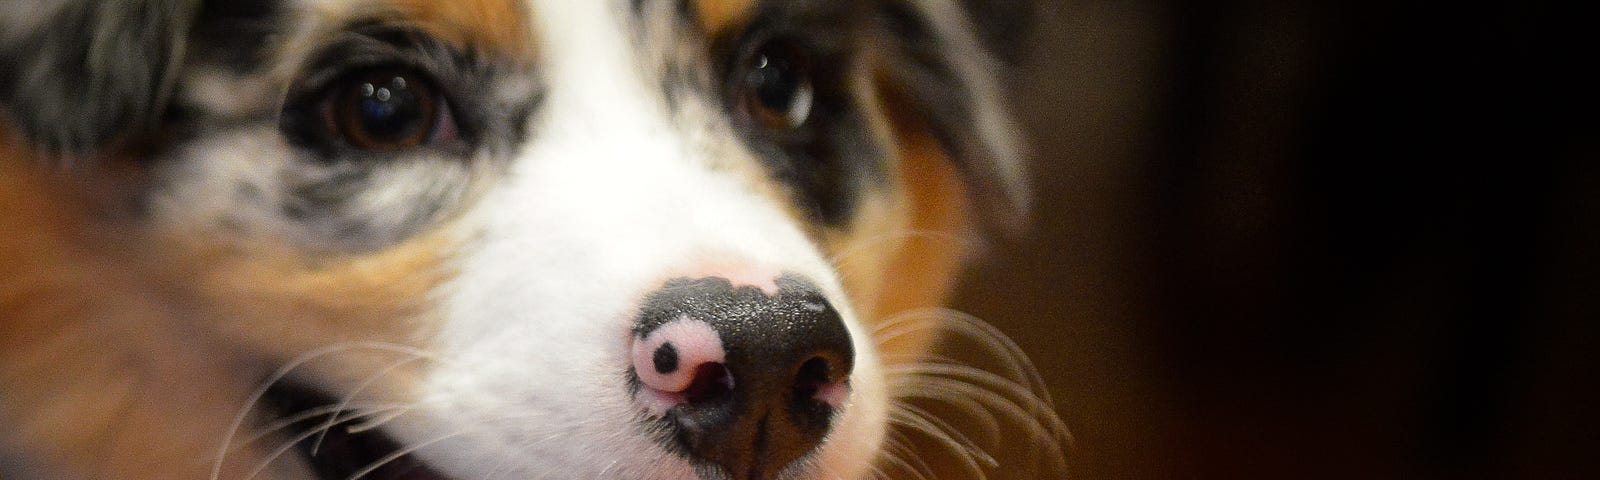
<point x="896" y="445"/>
<point x="989" y="421"/>
<point x="976" y="377"/>
<point x="1018" y="365"/>
<point x="276" y="453"/>
<point x="878" y="473"/>
<point x="922" y="425"/>
<point x="286" y="422"/>
<point x="981" y="400"/>
<point x="284" y="371"/>
<point x="972" y="328"/>
<point x="609" y="467"/>
<point x="1046" y="428"/>
<point x="316" y="445"/>
<point x="1011" y="353"/>
<point x="979" y="386"/>
<point x="949" y="430"/>
<point x="371" y="423"/>
<point x="900" y="439"/>
<point x="401" y="453"/>
<point x="399" y="409"/>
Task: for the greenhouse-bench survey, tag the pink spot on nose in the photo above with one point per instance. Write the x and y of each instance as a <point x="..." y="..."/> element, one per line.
<point x="764" y="279"/>
<point x="668" y="359"/>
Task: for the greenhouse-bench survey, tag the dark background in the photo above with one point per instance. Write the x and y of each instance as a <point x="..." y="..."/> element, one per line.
<point x="1288" y="239"/>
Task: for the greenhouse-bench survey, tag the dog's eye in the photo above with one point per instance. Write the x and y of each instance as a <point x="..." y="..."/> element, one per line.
<point x="776" y="85"/>
<point x="387" y="110"/>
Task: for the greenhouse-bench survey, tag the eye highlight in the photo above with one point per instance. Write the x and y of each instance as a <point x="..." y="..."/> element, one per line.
<point x="775" y="85"/>
<point x="385" y="110"/>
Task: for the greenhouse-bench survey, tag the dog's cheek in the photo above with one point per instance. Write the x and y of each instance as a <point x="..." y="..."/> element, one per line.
<point x="925" y="268"/>
<point x="102" y="377"/>
<point x="299" y="303"/>
<point x="907" y="245"/>
<point x="272" y="283"/>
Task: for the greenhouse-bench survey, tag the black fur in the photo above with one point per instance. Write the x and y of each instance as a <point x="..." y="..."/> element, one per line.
<point x="823" y="161"/>
<point x="831" y="159"/>
<point x="93" y="72"/>
<point x="925" y="78"/>
<point x="236" y="34"/>
<point x="827" y="162"/>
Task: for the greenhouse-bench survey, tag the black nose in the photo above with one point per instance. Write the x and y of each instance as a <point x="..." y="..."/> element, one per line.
<point x="785" y="360"/>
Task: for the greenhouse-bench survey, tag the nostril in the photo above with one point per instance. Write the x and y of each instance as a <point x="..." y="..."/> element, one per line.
<point x="747" y="379"/>
<point x="712" y="382"/>
<point x="817" y="382"/>
<point x="812" y="376"/>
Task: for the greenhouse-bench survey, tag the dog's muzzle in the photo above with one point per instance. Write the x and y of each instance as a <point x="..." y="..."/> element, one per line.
<point x="745" y="379"/>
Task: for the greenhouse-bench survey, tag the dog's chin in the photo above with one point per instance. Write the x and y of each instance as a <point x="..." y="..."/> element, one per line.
<point x="345" y="449"/>
<point x="344" y="455"/>
<point x="339" y="449"/>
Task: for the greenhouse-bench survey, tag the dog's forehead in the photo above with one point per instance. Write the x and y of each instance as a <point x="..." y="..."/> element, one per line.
<point x="505" y="26"/>
<point x="501" y="26"/>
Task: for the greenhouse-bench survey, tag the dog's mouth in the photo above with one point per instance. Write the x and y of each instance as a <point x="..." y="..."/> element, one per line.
<point x="339" y="452"/>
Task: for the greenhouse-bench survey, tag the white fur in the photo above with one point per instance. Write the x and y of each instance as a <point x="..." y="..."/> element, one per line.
<point x="606" y="201"/>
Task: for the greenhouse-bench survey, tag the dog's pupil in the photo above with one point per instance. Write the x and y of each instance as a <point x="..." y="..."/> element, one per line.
<point x="775" y="82"/>
<point x="780" y="84"/>
<point x="386" y="111"/>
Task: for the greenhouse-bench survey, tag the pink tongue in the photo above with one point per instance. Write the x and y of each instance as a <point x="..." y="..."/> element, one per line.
<point x="666" y="360"/>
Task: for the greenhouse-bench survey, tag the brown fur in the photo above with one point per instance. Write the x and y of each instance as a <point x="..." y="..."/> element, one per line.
<point x="718" y="15"/>
<point x="498" y="26"/>
<point x="924" y="270"/>
<point x="79" y="323"/>
<point x="151" y="323"/>
<point x="905" y="252"/>
<point x="140" y="339"/>
<point x="287" y="304"/>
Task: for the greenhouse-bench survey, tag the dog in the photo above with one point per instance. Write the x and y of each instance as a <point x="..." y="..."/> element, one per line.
<point x="408" y="239"/>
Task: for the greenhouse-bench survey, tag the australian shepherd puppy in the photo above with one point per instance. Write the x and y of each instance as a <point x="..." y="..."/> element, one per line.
<point x="471" y="239"/>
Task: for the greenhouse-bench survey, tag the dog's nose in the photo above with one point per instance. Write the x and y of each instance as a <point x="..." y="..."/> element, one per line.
<point x="746" y="377"/>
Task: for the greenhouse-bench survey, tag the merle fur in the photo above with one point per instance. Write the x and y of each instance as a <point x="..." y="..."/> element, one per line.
<point x="93" y="72"/>
<point x="831" y="162"/>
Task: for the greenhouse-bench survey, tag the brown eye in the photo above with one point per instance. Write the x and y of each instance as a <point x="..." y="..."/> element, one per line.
<point x="777" y="90"/>
<point x="386" y="110"/>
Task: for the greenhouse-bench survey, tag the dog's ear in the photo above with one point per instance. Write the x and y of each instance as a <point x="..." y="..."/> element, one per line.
<point x="944" y="81"/>
<point x="1005" y="26"/>
<point x="76" y="75"/>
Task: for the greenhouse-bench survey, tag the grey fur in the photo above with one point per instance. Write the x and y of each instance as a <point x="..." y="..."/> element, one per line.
<point x="93" y="72"/>
<point x="954" y="82"/>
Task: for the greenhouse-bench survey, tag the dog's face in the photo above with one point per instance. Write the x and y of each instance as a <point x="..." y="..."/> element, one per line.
<point x="499" y="238"/>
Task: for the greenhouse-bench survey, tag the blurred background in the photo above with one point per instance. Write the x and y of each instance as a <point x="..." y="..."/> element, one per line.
<point x="1288" y="239"/>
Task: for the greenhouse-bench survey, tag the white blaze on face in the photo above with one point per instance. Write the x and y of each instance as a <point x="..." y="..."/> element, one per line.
<point x="605" y="201"/>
